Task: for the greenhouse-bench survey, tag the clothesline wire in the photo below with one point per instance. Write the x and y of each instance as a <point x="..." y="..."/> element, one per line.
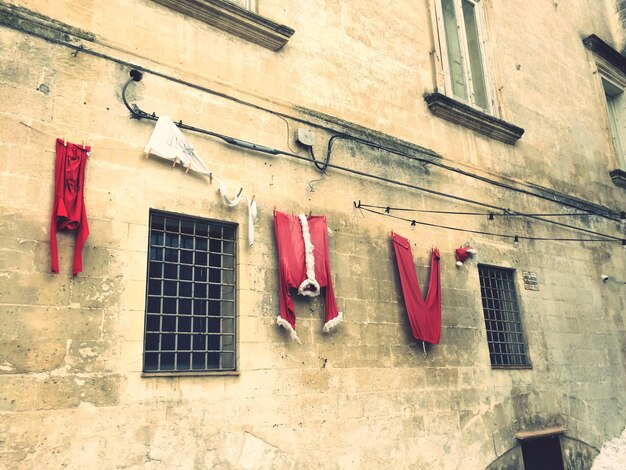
<point x="414" y="222"/>
<point x="460" y="171"/>
<point x="507" y="213"/>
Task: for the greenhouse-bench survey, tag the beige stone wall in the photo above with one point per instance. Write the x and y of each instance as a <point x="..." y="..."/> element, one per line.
<point x="365" y="396"/>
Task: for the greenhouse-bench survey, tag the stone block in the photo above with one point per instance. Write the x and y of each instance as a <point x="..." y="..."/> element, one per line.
<point x="31" y="355"/>
<point x="35" y="288"/>
<point x="8" y="314"/>
<point x="105" y="292"/>
<point x="16" y="393"/>
<point x="60" y="392"/>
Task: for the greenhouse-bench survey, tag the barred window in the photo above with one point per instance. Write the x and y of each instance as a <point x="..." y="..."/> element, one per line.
<point x="507" y="346"/>
<point x="190" y="298"/>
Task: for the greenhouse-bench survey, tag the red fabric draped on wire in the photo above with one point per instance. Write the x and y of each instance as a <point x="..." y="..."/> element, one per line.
<point x="68" y="209"/>
<point x="424" y="314"/>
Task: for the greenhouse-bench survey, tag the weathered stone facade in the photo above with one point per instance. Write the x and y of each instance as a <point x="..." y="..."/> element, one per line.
<point x="365" y="396"/>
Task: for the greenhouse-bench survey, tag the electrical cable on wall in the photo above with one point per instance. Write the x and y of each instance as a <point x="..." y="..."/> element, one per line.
<point x="135" y="70"/>
<point x="137" y="113"/>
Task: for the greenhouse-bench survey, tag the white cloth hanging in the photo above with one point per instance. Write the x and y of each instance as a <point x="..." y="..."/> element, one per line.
<point x="252" y="215"/>
<point x="230" y="202"/>
<point x="168" y="142"/>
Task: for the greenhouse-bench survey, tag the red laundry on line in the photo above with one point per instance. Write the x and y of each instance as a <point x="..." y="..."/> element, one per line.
<point x="424" y="315"/>
<point x="68" y="208"/>
<point x="303" y="263"/>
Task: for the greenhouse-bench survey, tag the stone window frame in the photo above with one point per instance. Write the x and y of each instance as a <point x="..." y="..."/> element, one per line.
<point x="241" y="21"/>
<point x="251" y="5"/>
<point x="444" y="103"/>
<point x="190" y="319"/>
<point x="611" y="68"/>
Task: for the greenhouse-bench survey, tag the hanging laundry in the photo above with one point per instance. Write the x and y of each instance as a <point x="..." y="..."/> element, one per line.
<point x="68" y="208"/>
<point x="303" y="263"/>
<point x="230" y="202"/>
<point x="424" y="314"/>
<point x="252" y="215"/>
<point x="168" y="142"/>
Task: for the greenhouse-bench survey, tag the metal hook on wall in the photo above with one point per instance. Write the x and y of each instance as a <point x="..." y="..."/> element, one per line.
<point x="137" y="113"/>
<point x="77" y="50"/>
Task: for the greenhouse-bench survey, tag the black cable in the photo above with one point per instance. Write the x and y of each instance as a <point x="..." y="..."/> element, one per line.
<point x="489" y="214"/>
<point x="414" y="222"/>
<point x="321" y="167"/>
<point x="288" y="132"/>
<point x="464" y="173"/>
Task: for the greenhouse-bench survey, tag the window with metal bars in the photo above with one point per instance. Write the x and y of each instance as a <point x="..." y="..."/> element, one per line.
<point x="190" y="296"/>
<point x="505" y="337"/>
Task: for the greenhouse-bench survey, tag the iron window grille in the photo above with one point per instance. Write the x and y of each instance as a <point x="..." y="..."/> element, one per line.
<point x="190" y="296"/>
<point x="505" y="337"/>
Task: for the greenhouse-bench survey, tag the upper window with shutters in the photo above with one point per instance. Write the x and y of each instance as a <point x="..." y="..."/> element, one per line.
<point x="464" y="88"/>
<point x="461" y="31"/>
<point x="611" y="68"/>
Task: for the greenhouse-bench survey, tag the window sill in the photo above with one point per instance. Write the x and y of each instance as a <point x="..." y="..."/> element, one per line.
<point x="234" y="19"/>
<point x="501" y="367"/>
<point x="459" y="113"/>
<point x="190" y="374"/>
<point x="618" y="177"/>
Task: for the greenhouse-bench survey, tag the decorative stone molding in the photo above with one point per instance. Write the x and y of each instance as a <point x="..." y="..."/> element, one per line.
<point x="602" y="49"/>
<point x="460" y="113"/>
<point x="618" y="177"/>
<point x="234" y="19"/>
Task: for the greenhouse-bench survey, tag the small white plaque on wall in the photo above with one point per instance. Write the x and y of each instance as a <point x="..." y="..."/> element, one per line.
<point x="530" y="280"/>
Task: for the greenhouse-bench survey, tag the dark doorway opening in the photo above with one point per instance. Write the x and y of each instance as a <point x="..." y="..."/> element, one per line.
<point x="542" y="453"/>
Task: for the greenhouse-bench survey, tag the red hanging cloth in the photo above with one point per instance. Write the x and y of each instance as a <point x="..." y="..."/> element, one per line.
<point x="68" y="208"/>
<point x="304" y="263"/>
<point x="424" y="315"/>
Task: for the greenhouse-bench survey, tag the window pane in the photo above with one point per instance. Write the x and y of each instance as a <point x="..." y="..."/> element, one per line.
<point x="228" y="361"/>
<point x="455" y="58"/>
<point x="167" y="361"/>
<point x="615" y="98"/>
<point x="183" y="361"/>
<point x="150" y="361"/>
<point x="198" y="360"/>
<point x="475" y="55"/>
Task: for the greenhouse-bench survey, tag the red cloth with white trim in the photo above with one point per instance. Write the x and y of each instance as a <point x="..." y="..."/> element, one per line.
<point x="424" y="314"/>
<point x="303" y="263"/>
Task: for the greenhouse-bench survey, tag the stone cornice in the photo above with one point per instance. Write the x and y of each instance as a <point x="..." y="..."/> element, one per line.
<point x="618" y="177"/>
<point x="460" y="113"/>
<point x="234" y="19"/>
<point x="602" y="49"/>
